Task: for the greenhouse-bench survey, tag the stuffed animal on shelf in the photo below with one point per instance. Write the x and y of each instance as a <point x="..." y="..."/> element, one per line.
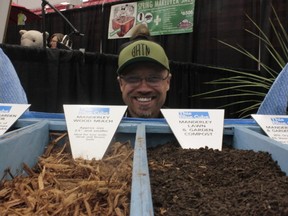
<point x="32" y="38"/>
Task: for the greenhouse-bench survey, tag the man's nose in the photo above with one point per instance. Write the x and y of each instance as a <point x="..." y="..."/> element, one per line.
<point x="143" y="84"/>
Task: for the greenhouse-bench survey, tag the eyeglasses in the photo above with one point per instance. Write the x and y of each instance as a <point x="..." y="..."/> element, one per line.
<point x="150" y="80"/>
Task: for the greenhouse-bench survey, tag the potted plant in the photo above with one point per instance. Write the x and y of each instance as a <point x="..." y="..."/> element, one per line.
<point x="249" y="89"/>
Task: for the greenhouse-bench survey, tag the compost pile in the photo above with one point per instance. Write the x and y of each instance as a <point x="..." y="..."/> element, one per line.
<point x="60" y="185"/>
<point x="211" y="182"/>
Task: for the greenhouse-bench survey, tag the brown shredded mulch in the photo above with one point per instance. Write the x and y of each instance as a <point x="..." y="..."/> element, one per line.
<point x="210" y="182"/>
<point x="60" y="185"/>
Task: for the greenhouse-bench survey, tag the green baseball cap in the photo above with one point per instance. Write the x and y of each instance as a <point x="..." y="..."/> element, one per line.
<point x="142" y="51"/>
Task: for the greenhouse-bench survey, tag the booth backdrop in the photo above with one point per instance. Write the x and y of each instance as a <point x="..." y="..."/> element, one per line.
<point x="53" y="77"/>
<point x="213" y="20"/>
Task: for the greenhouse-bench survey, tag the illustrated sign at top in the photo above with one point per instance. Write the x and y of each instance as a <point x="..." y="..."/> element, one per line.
<point x="162" y="17"/>
<point x="275" y="126"/>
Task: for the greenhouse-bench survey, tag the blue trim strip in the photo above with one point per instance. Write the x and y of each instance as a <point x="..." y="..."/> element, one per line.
<point x="41" y="115"/>
<point x="141" y="197"/>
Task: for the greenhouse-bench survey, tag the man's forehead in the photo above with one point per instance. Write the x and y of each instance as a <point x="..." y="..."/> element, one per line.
<point x="141" y="67"/>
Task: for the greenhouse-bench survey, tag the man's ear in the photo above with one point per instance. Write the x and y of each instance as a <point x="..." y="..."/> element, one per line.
<point x="119" y="81"/>
<point x="168" y="81"/>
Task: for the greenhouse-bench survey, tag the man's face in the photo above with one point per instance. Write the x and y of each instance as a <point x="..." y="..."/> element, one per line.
<point x="144" y="87"/>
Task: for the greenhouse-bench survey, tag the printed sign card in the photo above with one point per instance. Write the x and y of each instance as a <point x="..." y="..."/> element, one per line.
<point x="161" y="17"/>
<point x="275" y="126"/>
<point x="9" y="113"/>
<point x="91" y="128"/>
<point x="195" y="128"/>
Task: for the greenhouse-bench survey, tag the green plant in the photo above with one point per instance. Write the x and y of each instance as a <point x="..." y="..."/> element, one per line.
<point x="251" y="88"/>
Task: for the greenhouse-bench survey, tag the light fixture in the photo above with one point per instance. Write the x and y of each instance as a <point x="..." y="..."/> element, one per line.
<point x="64" y="3"/>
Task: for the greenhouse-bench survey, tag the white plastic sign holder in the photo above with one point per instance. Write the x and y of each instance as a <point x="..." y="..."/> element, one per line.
<point x="275" y="126"/>
<point x="196" y="128"/>
<point x="91" y="128"/>
<point x="9" y="113"/>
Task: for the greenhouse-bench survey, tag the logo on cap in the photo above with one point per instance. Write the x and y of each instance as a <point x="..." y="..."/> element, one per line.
<point x="140" y="50"/>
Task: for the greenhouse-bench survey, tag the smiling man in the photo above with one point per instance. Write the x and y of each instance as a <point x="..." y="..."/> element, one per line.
<point x="144" y="77"/>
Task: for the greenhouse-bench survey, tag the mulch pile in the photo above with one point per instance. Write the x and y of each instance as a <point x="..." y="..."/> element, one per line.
<point x="183" y="182"/>
<point x="211" y="182"/>
<point x="60" y="185"/>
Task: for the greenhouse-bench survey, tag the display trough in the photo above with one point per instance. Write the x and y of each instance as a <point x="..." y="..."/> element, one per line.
<point x="27" y="139"/>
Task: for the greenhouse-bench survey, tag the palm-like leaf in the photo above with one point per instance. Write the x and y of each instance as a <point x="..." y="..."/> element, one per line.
<point x="242" y="84"/>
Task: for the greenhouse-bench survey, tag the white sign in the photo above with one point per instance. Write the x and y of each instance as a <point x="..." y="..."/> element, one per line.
<point x="275" y="126"/>
<point x="196" y="128"/>
<point x="9" y="113"/>
<point x="91" y="128"/>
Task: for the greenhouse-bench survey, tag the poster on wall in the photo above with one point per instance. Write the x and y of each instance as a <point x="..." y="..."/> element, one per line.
<point x="162" y="17"/>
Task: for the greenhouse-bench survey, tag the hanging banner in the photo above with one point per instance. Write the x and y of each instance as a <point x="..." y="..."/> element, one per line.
<point x="163" y="17"/>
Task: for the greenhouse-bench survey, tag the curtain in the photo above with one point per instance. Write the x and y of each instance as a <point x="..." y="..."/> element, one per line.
<point x="50" y="78"/>
<point x="213" y="20"/>
<point x="53" y="77"/>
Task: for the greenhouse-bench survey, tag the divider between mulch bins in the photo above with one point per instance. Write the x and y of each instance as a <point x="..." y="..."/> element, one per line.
<point x="22" y="146"/>
<point x="141" y="197"/>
